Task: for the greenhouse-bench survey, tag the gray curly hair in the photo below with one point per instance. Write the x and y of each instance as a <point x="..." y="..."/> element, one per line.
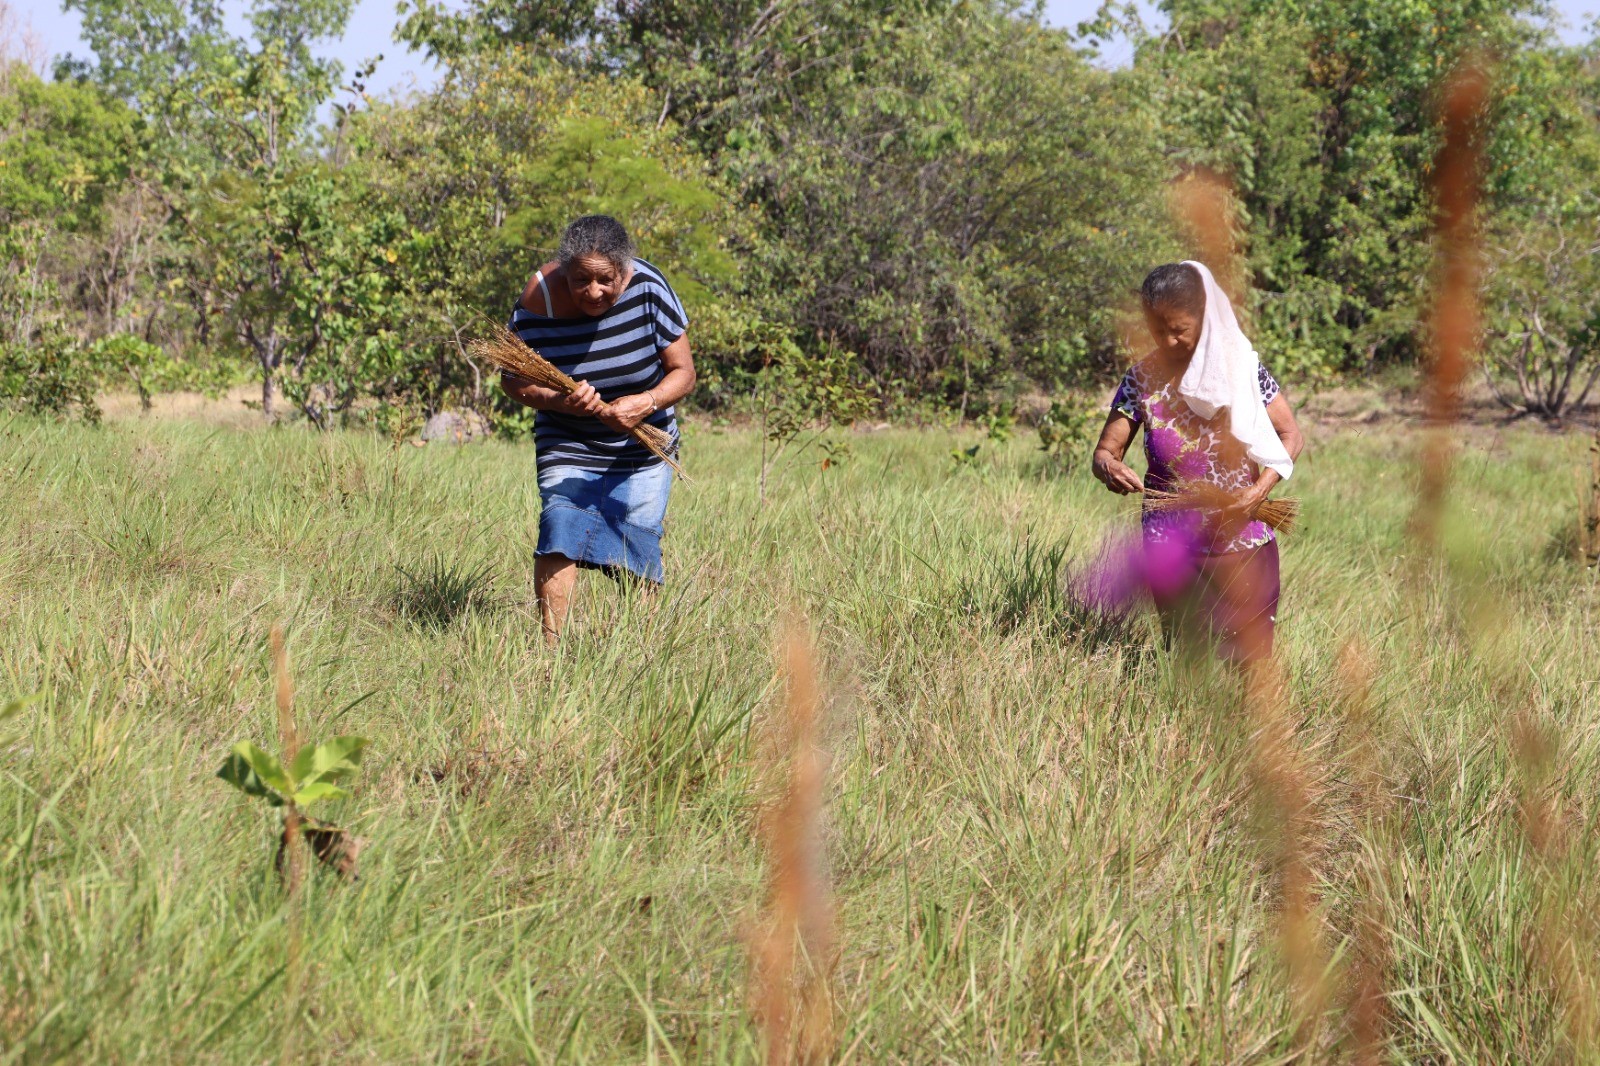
<point x="599" y="235"/>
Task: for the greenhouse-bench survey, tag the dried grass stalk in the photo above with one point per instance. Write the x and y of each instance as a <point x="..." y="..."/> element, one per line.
<point x="507" y="351"/>
<point x="1371" y="959"/>
<point x="1589" y="512"/>
<point x="1284" y="790"/>
<point x="293" y="848"/>
<point x="1288" y="799"/>
<point x="1206" y="208"/>
<point x="289" y="739"/>
<point x="795" y="1009"/>
<point x="1454" y="318"/>
<point x="1282" y="514"/>
<point x="1564" y="935"/>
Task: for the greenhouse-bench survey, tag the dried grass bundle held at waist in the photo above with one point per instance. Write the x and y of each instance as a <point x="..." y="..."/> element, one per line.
<point x="1282" y="514"/>
<point x="506" y="350"/>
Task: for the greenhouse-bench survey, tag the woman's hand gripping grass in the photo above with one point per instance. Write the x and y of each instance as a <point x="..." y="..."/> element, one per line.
<point x="626" y="412"/>
<point x="1108" y="466"/>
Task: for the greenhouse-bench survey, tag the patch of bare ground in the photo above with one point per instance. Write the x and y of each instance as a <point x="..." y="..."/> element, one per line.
<point x="228" y="410"/>
<point x="1385" y="404"/>
<point x="1390" y="405"/>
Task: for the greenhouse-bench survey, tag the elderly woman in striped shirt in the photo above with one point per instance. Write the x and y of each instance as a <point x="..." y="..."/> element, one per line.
<point x="611" y="321"/>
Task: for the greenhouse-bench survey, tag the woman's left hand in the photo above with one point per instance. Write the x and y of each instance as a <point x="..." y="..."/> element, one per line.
<point x="1242" y="511"/>
<point x="627" y="412"/>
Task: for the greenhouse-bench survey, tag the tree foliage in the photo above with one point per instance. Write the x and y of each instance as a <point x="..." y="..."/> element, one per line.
<point x="486" y="171"/>
<point x="953" y="217"/>
<point x="1543" y="343"/>
<point x="909" y="200"/>
<point x="1322" y="113"/>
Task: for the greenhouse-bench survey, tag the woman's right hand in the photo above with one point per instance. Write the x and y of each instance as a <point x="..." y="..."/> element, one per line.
<point x="1116" y="475"/>
<point x="583" y="400"/>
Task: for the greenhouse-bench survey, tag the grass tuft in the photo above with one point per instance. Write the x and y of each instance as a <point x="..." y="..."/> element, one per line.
<point x="440" y="590"/>
<point x="1037" y="588"/>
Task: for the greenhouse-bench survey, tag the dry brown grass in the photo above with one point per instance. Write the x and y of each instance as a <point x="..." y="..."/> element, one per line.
<point x="1282" y="514"/>
<point x="1372" y="951"/>
<point x="793" y="958"/>
<point x="1289" y="800"/>
<point x="506" y="350"/>
<point x="231" y="409"/>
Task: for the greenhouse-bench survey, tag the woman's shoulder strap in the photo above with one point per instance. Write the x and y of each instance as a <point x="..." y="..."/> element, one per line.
<point x="544" y="291"/>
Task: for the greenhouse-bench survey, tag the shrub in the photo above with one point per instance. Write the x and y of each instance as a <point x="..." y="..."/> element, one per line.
<point x="1067" y="431"/>
<point x="50" y="376"/>
<point x="151" y="370"/>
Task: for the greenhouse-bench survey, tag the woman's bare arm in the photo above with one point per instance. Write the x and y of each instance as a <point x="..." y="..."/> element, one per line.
<point x="678" y="361"/>
<point x="1294" y="442"/>
<point x="1113" y="473"/>
<point x="583" y="401"/>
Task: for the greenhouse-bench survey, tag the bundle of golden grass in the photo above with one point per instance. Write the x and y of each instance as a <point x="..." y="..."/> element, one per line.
<point x="1282" y="515"/>
<point x="507" y="351"/>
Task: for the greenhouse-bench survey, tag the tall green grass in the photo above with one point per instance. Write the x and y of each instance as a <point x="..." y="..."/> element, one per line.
<point x="1042" y="848"/>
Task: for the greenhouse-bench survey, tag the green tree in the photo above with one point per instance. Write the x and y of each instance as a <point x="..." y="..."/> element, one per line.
<point x="165" y="56"/>
<point x="949" y="190"/>
<point x="64" y="149"/>
<point x="1543" y="343"/>
<point x="308" y="277"/>
<point x="1322" y="114"/>
<point x="488" y="169"/>
<point x="253" y="229"/>
<point x="970" y="210"/>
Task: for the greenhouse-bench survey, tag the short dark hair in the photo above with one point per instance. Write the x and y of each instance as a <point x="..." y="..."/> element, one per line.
<point x="1174" y="285"/>
<point x="599" y="235"/>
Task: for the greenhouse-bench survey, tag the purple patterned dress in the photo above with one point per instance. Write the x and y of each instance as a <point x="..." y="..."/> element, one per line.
<point x="1181" y="446"/>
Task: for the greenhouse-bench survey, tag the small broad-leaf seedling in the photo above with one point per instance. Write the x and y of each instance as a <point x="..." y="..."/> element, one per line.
<point x="311" y="777"/>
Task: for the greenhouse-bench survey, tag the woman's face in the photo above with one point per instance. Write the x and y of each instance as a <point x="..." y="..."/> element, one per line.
<point x="595" y="284"/>
<point x="1175" y="331"/>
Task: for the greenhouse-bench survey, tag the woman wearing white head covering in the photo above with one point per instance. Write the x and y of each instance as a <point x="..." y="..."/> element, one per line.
<point x="1211" y="413"/>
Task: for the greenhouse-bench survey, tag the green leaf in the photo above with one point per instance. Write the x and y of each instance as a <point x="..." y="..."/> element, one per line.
<point x="330" y="761"/>
<point x="236" y="771"/>
<point x="301" y="766"/>
<point x="266" y="766"/>
<point x="320" y="790"/>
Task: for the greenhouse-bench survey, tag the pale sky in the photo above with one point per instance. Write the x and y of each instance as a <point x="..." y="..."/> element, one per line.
<point x="373" y="20"/>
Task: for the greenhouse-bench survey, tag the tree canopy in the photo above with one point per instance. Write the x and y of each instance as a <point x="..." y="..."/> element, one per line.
<point x="943" y="201"/>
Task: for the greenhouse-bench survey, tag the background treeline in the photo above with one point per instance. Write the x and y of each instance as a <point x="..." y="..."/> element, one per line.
<point x="919" y="202"/>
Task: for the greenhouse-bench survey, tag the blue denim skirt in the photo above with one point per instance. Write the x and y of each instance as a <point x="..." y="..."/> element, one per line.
<point x="605" y="521"/>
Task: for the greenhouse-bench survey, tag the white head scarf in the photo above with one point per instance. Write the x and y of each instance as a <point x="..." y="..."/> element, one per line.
<point x="1225" y="372"/>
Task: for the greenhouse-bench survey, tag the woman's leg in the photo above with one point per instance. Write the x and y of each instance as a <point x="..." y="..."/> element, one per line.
<point x="553" y="579"/>
<point x="1242" y="589"/>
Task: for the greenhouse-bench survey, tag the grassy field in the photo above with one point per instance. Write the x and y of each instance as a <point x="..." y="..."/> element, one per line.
<point x="1040" y="836"/>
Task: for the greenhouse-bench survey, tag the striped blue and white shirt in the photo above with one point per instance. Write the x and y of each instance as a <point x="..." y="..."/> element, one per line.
<point x="619" y="353"/>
